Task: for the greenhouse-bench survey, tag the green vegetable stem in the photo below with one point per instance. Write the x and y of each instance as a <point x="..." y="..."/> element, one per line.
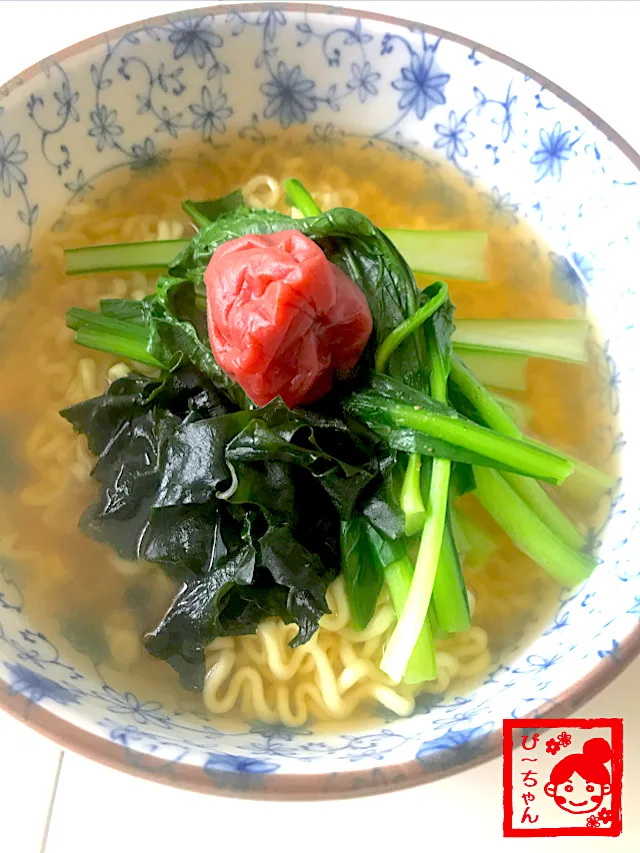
<point x="414" y="613"/>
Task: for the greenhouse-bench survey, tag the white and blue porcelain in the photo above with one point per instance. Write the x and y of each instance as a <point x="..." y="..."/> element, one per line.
<point x="123" y="101"/>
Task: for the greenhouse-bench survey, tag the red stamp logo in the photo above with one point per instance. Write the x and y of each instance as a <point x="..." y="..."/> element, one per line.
<point x="562" y="777"/>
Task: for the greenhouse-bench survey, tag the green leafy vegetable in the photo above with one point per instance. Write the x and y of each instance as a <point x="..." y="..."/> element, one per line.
<point x="431" y="428"/>
<point x="429" y="561"/>
<point x="497" y="369"/>
<point x="519" y="412"/>
<point x="393" y="561"/>
<point x="363" y="575"/>
<point x="454" y="254"/>
<point x="563" y="340"/>
<point x="253" y="511"/>
<point x="128" y="339"/>
<point x="451" y="254"/>
<point x="528" y="532"/>
<point x="412" y="501"/>
<point x="205" y="212"/>
<point x="450" y="599"/>
<point x="298" y="197"/>
<point x="151" y="255"/>
<point x="494" y="416"/>
<point x="410" y="325"/>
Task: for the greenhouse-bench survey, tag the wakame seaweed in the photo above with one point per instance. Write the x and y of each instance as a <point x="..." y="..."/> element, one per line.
<point x="224" y="498"/>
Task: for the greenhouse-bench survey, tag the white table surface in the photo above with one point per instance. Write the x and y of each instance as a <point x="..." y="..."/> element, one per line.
<point x="61" y="803"/>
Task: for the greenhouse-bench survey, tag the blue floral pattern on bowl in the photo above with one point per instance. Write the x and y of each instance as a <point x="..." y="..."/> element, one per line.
<point x="123" y="102"/>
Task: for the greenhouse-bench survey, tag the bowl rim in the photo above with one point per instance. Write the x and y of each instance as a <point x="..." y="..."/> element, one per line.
<point x="334" y="785"/>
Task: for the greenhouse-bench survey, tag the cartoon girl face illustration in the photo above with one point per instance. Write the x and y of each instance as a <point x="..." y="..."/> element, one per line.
<point x="579" y="782"/>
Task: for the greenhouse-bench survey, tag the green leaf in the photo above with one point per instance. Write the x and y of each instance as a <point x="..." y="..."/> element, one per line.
<point x="206" y="212"/>
<point x="363" y="576"/>
<point x="382" y="509"/>
<point x="432" y="559"/>
<point x="462" y="480"/>
<point x="439" y="333"/>
<point x="431" y="301"/>
<point x="434" y="429"/>
<point x="128" y="310"/>
<point x="177" y="335"/>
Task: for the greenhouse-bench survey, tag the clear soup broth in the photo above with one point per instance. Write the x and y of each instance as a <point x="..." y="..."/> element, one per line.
<point x="103" y="605"/>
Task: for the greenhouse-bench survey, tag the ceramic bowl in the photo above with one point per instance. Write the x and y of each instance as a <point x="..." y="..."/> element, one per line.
<point x="122" y="101"/>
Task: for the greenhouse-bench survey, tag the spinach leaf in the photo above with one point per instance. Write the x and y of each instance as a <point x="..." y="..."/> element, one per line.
<point x="413" y="441"/>
<point x="127" y="310"/>
<point x="375" y="408"/>
<point x="363" y="577"/>
<point x="205" y="212"/>
<point x="400" y="392"/>
<point x="238" y="222"/>
<point x="369" y="258"/>
<point x="441" y="327"/>
<point x="177" y="335"/>
<point x="462" y="480"/>
<point x="382" y="508"/>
